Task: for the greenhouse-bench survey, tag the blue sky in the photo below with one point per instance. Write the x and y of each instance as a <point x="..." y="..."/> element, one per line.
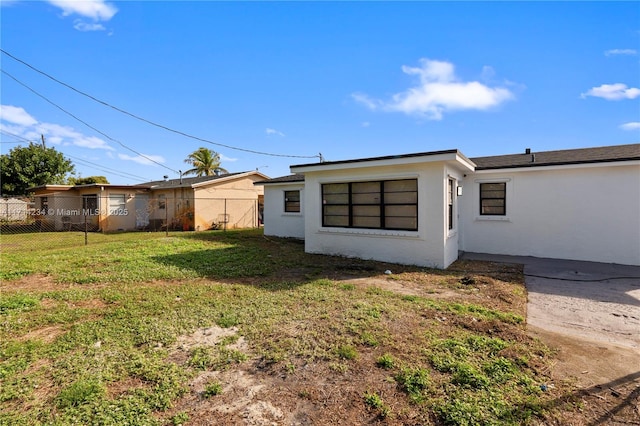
<point x="345" y="79"/>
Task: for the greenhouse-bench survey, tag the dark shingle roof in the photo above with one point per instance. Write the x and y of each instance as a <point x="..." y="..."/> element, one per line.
<point x="282" y="179"/>
<point x="386" y="157"/>
<point x="185" y="182"/>
<point x="561" y="157"/>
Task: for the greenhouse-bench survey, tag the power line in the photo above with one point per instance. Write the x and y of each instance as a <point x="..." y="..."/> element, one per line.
<point x="85" y="123"/>
<point x="110" y="170"/>
<point x="22" y="138"/>
<point x="149" y="121"/>
<point x="97" y="166"/>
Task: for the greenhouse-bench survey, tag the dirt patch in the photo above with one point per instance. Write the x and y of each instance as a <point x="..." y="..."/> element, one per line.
<point x="45" y="334"/>
<point x="603" y="379"/>
<point x="35" y="282"/>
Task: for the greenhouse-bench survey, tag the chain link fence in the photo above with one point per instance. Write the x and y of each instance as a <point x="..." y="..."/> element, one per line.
<point x="55" y="214"/>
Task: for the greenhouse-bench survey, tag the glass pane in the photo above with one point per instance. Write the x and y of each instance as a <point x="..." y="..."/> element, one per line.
<point x="292" y="207"/>
<point x="401" y="198"/>
<point x="492" y="190"/>
<point x="366" y="211"/>
<point x="492" y="194"/>
<point x="366" y="198"/>
<point x="336" y="221"/>
<point x="401" y="211"/>
<point x="292" y="195"/>
<point x="335" y="199"/>
<point x="409" y="223"/>
<point x="400" y="185"/>
<point x="492" y="207"/>
<point x="335" y="188"/>
<point x="336" y="210"/>
<point x="366" y="222"/>
<point x="365" y="187"/>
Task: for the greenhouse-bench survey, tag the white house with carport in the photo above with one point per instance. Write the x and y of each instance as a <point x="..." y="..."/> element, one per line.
<point x="426" y="208"/>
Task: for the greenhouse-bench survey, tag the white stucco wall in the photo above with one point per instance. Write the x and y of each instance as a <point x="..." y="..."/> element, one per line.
<point x="583" y="212"/>
<point x="277" y="222"/>
<point x="424" y="247"/>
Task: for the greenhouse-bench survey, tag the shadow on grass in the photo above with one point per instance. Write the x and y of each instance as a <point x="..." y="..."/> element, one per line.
<point x="625" y="389"/>
<point x="274" y="263"/>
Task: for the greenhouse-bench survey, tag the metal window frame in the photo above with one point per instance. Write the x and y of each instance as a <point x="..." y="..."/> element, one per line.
<point x="503" y="198"/>
<point x="287" y="206"/>
<point x="381" y="204"/>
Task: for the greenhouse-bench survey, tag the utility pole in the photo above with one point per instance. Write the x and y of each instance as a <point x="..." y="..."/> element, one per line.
<point x="43" y="144"/>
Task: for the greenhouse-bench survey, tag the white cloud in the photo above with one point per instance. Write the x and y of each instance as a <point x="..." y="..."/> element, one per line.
<point x="612" y="92"/>
<point x="26" y="126"/>
<point x="439" y="91"/>
<point x="365" y="100"/>
<point x="227" y="159"/>
<point x="633" y="125"/>
<point x="269" y="131"/>
<point x="98" y="10"/>
<point x="84" y="27"/>
<point x="629" y="52"/>
<point x="365" y="124"/>
<point x="142" y="160"/>
<point x="16" y="115"/>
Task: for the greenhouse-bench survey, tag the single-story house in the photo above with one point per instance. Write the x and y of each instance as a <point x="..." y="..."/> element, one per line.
<point x="426" y="208"/>
<point x="199" y="203"/>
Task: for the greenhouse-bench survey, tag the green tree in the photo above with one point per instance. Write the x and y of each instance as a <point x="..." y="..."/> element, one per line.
<point x="87" y="180"/>
<point x="204" y="161"/>
<point x="34" y="165"/>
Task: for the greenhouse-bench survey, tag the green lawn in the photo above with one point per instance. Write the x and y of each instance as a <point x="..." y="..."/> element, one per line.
<point x="89" y="333"/>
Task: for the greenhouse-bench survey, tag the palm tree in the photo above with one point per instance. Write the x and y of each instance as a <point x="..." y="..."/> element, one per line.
<point x="205" y="162"/>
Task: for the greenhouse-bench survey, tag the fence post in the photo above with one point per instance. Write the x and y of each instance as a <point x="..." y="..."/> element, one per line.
<point x="86" y="240"/>
<point x="225" y="215"/>
<point x="166" y="219"/>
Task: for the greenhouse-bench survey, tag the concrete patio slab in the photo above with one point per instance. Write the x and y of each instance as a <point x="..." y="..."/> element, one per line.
<point x="594" y="301"/>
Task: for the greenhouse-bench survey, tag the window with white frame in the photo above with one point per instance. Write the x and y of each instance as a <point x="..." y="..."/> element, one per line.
<point x="117" y="203"/>
<point x="388" y="204"/>
<point x="292" y="201"/>
<point x="451" y="196"/>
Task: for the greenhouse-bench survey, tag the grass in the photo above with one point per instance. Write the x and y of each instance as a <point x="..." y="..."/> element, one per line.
<point x="91" y="334"/>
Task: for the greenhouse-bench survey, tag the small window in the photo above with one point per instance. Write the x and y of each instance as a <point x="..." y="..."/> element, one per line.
<point x="162" y="202"/>
<point x="90" y="203"/>
<point x="493" y="199"/>
<point x="44" y="203"/>
<point x="117" y="201"/>
<point x="292" y="201"/>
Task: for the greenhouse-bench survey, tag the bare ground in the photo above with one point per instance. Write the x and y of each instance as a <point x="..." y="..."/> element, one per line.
<point x="602" y="379"/>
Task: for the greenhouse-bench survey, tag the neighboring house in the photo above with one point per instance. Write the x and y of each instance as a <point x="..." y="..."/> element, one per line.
<point x="425" y="208"/>
<point x="13" y="209"/>
<point x="199" y="203"/>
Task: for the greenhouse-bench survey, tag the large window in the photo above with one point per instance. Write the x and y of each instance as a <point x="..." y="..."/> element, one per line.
<point x="493" y="199"/>
<point x="292" y="201"/>
<point x="389" y="204"/>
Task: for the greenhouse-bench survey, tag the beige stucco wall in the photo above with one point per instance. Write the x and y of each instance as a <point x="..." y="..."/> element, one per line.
<point x="234" y="201"/>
